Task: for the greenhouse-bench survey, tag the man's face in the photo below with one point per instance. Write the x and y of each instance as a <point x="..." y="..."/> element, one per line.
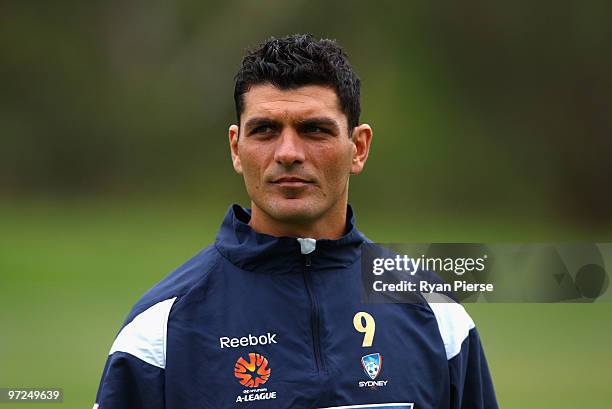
<point x="294" y="151"/>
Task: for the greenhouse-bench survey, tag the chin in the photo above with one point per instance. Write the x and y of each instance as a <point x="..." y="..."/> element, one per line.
<point x="292" y="210"/>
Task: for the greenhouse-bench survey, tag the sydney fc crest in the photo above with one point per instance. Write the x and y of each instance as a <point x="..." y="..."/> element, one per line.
<point x="372" y="364"/>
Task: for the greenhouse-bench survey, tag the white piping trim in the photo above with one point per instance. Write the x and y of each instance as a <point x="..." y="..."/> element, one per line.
<point x="374" y="405"/>
<point x="454" y="322"/>
<point x="145" y="336"/>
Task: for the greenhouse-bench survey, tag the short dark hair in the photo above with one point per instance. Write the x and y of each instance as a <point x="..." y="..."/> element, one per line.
<point x="299" y="60"/>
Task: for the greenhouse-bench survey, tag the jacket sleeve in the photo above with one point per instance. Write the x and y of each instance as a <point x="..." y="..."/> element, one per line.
<point x="128" y="382"/>
<point x="134" y="373"/>
<point x="470" y="381"/>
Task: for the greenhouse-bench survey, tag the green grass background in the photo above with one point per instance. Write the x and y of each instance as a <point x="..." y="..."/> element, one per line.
<point x="69" y="274"/>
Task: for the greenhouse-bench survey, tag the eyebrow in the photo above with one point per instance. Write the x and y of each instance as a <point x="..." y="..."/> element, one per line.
<point x="259" y="121"/>
<point x="316" y="121"/>
<point x="320" y="121"/>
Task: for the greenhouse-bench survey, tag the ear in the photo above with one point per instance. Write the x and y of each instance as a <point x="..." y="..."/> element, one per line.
<point x="362" y="138"/>
<point x="233" y="134"/>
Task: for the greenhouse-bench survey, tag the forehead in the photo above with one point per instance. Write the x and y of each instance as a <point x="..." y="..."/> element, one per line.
<point x="310" y="100"/>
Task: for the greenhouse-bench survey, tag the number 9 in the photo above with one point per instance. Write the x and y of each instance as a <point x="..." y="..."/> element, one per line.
<point x="368" y="329"/>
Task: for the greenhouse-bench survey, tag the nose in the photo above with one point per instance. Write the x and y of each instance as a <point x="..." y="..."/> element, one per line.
<point x="289" y="149"/>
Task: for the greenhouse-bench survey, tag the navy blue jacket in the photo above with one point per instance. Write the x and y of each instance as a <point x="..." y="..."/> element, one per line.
<point x="255" y="321"/>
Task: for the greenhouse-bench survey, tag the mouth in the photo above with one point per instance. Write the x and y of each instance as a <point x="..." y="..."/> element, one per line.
<point x="291" y="181"/>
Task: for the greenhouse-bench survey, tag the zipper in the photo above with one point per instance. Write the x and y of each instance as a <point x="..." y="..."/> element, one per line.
<point x="314" y="314"/>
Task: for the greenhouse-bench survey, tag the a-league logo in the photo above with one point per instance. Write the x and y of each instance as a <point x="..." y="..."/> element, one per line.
<point x="254" y="372"/>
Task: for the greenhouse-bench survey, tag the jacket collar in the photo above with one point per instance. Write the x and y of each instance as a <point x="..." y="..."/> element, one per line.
<point x="258" y="252"/>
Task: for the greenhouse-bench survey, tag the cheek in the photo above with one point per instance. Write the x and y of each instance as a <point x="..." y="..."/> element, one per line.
<point x="336" y="166"/>
<point x="249" y="171"/>
<point x="252" y="167"/>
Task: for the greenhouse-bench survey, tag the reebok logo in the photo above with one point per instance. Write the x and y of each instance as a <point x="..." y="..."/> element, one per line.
<point x="249" y="340"/>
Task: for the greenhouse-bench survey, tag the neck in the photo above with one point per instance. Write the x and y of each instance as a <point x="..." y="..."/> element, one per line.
<point x="332" y="225"/>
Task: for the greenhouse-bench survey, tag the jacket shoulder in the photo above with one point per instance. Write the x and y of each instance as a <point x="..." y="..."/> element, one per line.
<point x="454" y="323"/>
<point x="179" y="282"/>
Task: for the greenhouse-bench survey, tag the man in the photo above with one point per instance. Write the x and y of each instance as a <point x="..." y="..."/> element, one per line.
<point x="269" y="316"/>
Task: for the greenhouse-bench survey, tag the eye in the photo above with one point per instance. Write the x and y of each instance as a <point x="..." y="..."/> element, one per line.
<point x="262" y="129"/>
<point x="315" y="129"/>
<point x="262" y="132"/>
